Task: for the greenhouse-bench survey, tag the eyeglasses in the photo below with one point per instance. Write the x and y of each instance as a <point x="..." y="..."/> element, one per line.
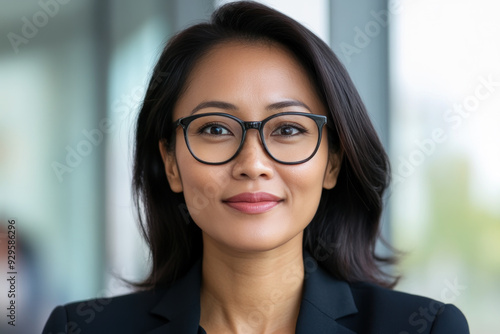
<point x="289" y="137"/>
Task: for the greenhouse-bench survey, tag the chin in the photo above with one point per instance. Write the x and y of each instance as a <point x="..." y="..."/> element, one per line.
<point x="255" y="247"/>
<point x="258" y="242"/>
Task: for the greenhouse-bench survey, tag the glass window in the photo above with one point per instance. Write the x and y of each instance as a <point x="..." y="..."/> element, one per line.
<point x="446" y="153"/>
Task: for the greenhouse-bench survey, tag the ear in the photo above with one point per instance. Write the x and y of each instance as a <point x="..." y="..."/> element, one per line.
<point x="171" y="168"/>
<point x="332" y="170"/>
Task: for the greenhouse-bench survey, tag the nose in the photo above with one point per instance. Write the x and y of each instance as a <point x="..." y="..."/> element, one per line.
<point x="253" y="162"/>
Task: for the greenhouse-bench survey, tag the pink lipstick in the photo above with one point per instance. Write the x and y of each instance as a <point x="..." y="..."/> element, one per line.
<point x="253" y="203"/>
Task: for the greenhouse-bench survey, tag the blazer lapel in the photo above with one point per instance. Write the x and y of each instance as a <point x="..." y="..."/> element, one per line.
<point x="180" y="305"/>
<point x="324" y="301"/>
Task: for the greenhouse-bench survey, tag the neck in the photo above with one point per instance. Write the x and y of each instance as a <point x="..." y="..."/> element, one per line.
<point x="257" y="292"/>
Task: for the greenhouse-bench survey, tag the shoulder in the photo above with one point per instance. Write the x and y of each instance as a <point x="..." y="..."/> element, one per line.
<point x="405" y="313"/>
<point x="127" y="313"/>
<point x="159" y="310"/>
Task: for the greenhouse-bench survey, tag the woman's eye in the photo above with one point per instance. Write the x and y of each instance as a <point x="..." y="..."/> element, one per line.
<point x="215" y="130"/>
<point x="287" y="130"/>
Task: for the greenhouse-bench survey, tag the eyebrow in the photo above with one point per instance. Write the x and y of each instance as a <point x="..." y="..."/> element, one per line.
<point x="232" y="107"/>
<point x="286" y="104"/>
<point x="214" y="104"/>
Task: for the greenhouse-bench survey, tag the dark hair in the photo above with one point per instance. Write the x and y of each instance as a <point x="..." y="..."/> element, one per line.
<point x="342" y="235"/>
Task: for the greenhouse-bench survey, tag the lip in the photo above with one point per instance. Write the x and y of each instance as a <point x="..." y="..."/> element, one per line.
<point x="253" y="203"/>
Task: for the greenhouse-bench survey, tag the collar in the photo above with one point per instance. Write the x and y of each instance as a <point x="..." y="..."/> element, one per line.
<point x="324" y="300"/>
<point x="181" y="304"/>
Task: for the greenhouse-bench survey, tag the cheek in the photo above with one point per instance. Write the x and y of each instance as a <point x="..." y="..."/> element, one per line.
<point x="305" y="181"/>
<point x="202" y="184"/>
<point x="305" y="184"/>
<point x="310" y="174"/>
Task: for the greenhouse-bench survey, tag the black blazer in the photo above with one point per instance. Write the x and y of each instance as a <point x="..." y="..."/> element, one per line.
<point x="328" y="306"/>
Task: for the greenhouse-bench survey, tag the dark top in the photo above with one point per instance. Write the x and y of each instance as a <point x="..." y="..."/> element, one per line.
<point x="328" y="306"/>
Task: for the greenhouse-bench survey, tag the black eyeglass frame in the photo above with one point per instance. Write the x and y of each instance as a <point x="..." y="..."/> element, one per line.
<point x="320" y="121"/>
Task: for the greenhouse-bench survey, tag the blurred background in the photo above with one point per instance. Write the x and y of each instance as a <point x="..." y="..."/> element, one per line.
<point x="72" y="76"/>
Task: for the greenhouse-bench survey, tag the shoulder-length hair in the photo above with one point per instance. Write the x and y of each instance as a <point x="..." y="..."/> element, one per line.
<point x="342" y="235"/>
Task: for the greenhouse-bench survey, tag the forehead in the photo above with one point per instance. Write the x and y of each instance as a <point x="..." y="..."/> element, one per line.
<point x="246" y="58"/>
<point x="256" y="50"/>
<point x="248" y="73"/>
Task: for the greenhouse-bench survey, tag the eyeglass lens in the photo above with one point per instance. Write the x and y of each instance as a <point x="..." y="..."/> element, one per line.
<point x="217" y="138"/>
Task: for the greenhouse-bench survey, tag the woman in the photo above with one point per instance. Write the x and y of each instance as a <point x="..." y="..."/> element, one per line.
<point x="259" y="180"/>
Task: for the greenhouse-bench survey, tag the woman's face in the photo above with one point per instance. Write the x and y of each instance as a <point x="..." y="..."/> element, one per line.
<point x="250" y="77"/>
